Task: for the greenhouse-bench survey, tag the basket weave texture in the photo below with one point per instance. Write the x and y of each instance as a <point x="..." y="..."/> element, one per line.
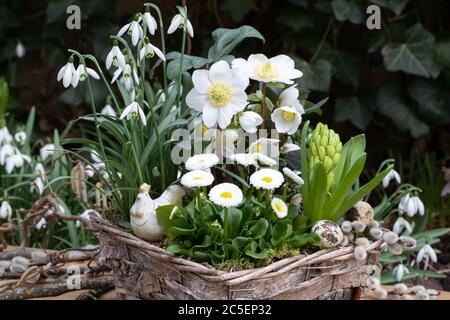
<point x="146" y="271"/>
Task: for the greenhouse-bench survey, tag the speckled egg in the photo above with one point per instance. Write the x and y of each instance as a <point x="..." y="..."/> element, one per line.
<point x="329" y="232"/>
<point x="361" y="211"/>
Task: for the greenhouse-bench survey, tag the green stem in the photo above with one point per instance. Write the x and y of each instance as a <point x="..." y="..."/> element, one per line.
<point x="163" y="41"/>
<point x="322" y="41"/>
<point x="180" y="76"/>
<point x="225" y="224"/>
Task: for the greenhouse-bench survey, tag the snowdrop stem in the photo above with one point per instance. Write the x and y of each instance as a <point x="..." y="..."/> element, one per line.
<point x="180" y="76"/>
<point x="263" y="105"/>
<point x="225" y="223"/>
<point x="322" y="41"/>
<point x="163" y="40"/>
<point x="15" y="186"/>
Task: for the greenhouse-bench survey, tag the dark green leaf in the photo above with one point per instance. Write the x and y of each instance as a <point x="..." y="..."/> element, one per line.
<point x="395" y="5"/>
<point x="351" y="109"/>
<point x="348" y="10"/>
<point x="316" y="75"/>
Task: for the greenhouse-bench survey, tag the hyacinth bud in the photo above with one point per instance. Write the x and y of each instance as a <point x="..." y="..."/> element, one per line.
<point x="325" y="146"/>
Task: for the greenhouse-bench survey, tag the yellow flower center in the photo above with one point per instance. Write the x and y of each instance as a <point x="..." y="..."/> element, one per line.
<point x="201" y="161"/>
<point x="278" y="207"/>
<point x="197" y="178"/>
<point x="266" y="71"/>
<point x="267" y="179"/>
<point x="220" y="94"/>
<point x="226" y="195"/>
<point x="257" y="148"/>
<point x="288" y="115"/>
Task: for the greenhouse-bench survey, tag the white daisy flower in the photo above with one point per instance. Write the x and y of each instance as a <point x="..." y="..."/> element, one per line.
<point x="250" y="121"/>
<point x="202" y="161"/>
<point x="178" y="22"/>
<point x="5" y="210"/>
<point x="16" y="161"/>
<point x="289" y="147"/>
<point x="245" y="159"/>
<point x="132" y="111"/>
<point x="133" y="29"/>
<point x="294" y="176"/>
<point x="391" y="175"/>
<point x="69" y="75"/>
<point x="46" y="151"/>
<point x="197" y="178"/>
<point x="411" y="205"/>
<point x="151" y="23"/>
<point x="20" y="137"/>
<point x="149" y="50"/>
<point x="427" y="253"/>
<point x="5" y="136"/>
<point x="108" y="111"/>
<point x="286" y="119"/>
<point x="85" y="72"/>
<point x="226" y="195"/>
<point x="399" y="271"/>
<point x="400" y="225"/>
<point x="268" y="147"/>
<point x="268" y="179"/>
<point x="289" y="97"/>
<point x="116" y="57"/>
<point x="5" y="151"/>
<point x="219" y="93"/>
<point x="265" y="160"/>
<point x="277" y="69"/>
<point x="279" y="207"/>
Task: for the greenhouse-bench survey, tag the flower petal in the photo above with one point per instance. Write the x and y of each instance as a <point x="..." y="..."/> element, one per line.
<point x="220" y="71"/>
<point x="196" y="100"/>
<point x="200" y="79"/>
<point x="210" y="115"/>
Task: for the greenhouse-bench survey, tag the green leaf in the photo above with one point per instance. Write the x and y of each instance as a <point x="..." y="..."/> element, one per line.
<point x="388" y="277"/>
<point x="395" y="5"/>
<point x="351" y="109"/>
<point x="252" y="251"/>
<point x="301" y="240"/>
<point x="4" y="97"/>
<point x="189" y="62"/>
<point x="347" y="67"/>
<point x="318" y="192"/>
<point x="442" y="53"/>
<point x="304" y="167"/>
<point x="175" y="232"/>
<point x="316" y="75"/>
<point x="234" y="222"/>
<point x="387" y="257"/>
<point x="259" y="229"/>
<point x="177" y="249"/>
<point x="414" y="55"/>
<point x="280" y="231"/>
<point x="436" y="233"/>
<point x="348" y="10"/>
<point x="238" y="9"/>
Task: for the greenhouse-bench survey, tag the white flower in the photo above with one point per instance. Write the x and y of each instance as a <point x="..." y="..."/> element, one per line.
<point x="5" y="151"/>
<point x="84" y="215"/>
<point x="39" y="182"/>
<point x="426" y="252"/>
<point x="20" y="137"/>
<point x="16" y="161"/>
<point x="279" y="207"/>
<point x="41" y="224"/>
<point x="20" y="50"/>
<point x="149" y="50"/>
<point x="391" y="175"/>
<point x="5" y="136"/>
<point x="202" y="161"/>
<point x="197" y="178"/>
<point x="294" y="176"/>
<point x="178" y="22"/>
<point x="128" y="77"/>
<point x="218" y="93"/>
<point x="116" y="57"/>
<point x="265" y="160"/>
<point x="46" y="151"/>
<point x="268" y="147"/>
<point x="134" y="29"/>
<point x="85" y="72"/>
<point x="226" y="195"/>
<point x="151" y="23"/>
<point x="69" y="75"/>
<point x="5" y="210"/>
<point x="289" y="147"/>
<point x="401" y="224"/>
<point x="286" y="119"/>
<point x="399" y="271"/>
<point x="108" y="111"/>
<point x="132" y="111"/>
<point x="249" y="121"/>
<point x="245" y="159"/>
<point x="289" y="97"/>
<point x="268" y="179"/>
<point x="277" y="69"/>
<point x="411" y="205"/>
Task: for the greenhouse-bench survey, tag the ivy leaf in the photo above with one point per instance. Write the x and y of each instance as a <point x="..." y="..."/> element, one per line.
<point x="351" y="109"/>
<point x="413" y="56"/>
<point x="316" y="75"/>
<point x="347" y="67"/>
<point x="395" y="5"/>
<point x="391" y="104"/>
<point x="348" y="10"/>
<point x="238" y="9"/>
<point x="442" y="53"/>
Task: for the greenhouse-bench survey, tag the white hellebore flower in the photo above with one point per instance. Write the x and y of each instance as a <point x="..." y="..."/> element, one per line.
<point x="134" y="29"/>
<point x="5" y="136"/>
<point x="294" y="176"/>
<point x="245" y="159"/>
<point x="399" y="271"/>
<point x="16" y="161"/>
<point x="391" y="175"/>
<point x="289" y="147"/>
<point x="151" y="23"/>
<point x="178" y="22"/>
<point x="132" y="111"/>
<point x="46" y="151"/>
<point x="68" y="74"/>
<point x="20" y="137"/>
<point x="401" y="224"/>
<point x="265" y="160"/>
<point x="289" y="97"/>
<point x="149" y="50"/>
<point x="286" y="119"/>
<point x="5" y="210"/>
<point x="219" y="93"/>
<point x="197" y="178"/>
<point x="411" y="205"/>
<point x="5" y="151"/>
<point x="268" y="179"/>
<point x="268" y="147"/>
<point x="116" y="57"/>
<point x="277" y="69"/>
<point x="202" y="161"/>
<point x="279" y="207"/>
<point x="20" y="50"/>
<point x="108" y="111"/>
<point x="85" y="72"/>
<point x="226" y="195"/>
<point x="427" y="253"/>
<point x="250" y="121"/>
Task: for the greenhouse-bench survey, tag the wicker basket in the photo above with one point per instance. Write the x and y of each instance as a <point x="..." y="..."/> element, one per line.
<point x="146" y="271"/>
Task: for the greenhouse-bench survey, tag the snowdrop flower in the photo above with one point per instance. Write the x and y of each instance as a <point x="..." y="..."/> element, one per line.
<point x="20" y="137"/>
<point x="427" y="252"/>
<point x="38" y="183"/>
<point x="401" y="224"/>
<point x="116" y="57"/>
<point x="16" y="161"/>
<point x="219" y="93"/>
<point x="286" y="119"/>
<point x="20" y="50"/>
<point x="178" y="22"/>
<point x="41" y="224"/>
<point x="5" y="210"/>
<point x="150" y="21"/>
<point x="245" y="159"/>
<point x="132" y="111"/>
<point x="202" y="161"/>
<point x="289" y="97"/>
<point x="289" y="147"/>
<point x="226" y="195"/>
<point x="5" y="151"/>
<point x="46" y="151"/>
<point x="294" y="176"/>
<point x="277" y="69"/>
<point x="134" y="29"/>
<point x="268" y="179"/>
<point x="399" y="271"/>
<point x="250" y="121"/>
<point x="265" y="160"/>
<point x="149" y="50"/>
<point x="268" y="147"/>
<point x="108" y="111"/>
<point x="5" y="136"/>
<point x="128" y="77"/>
<point x="68" y="74"/>
<point x="279" y="207"/>
<point x="391" y="175"/>
<point x="84" y="215"/>
<point x="197" y="178"/>
<point x="411" y="205"/>
<point x="85" y="72"/>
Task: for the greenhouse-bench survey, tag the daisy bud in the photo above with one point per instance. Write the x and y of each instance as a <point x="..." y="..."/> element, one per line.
<point x="390" y="237"/>
<point x="358" y="226"/>
<point x="423" y="295"/>
<point x="360" y="253"/>
<point x="380" y="293"/>
<point x="362" y="242"/>
<point x="400" y="288"/>
<point x="376" y="233"/>
<point x="346" y="226"/>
